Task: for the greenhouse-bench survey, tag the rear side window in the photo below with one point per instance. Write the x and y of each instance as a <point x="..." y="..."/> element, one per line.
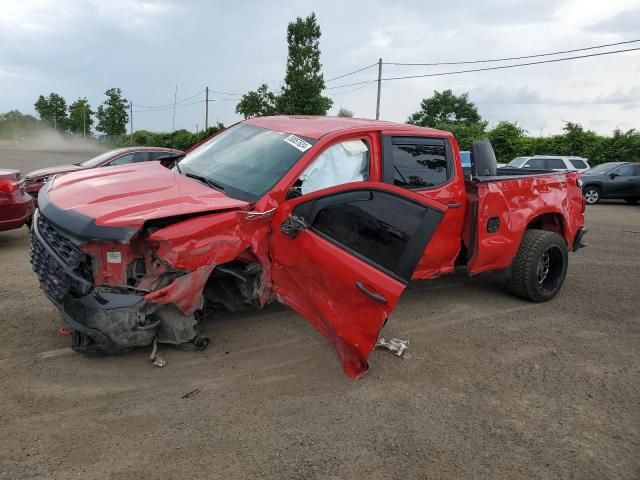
<point x="372" y="227"/>
<point x="419" y="162"/>
<point x="636" y="170"/>
<point x="579" y="164"/>
<point x="554" y="164"/>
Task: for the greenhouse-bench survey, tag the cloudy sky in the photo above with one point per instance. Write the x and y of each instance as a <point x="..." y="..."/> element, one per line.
<point x="80" y="48"/>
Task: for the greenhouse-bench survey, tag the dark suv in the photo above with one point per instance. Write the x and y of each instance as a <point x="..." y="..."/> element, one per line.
<point x="612" y="180"/>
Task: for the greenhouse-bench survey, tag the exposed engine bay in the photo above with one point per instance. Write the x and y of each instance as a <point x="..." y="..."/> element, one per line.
<point x="115" y="296"/>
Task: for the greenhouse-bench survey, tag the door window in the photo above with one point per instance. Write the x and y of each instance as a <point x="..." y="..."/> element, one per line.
<point x="419" y="162"/>
<point x="342" y="163"/>
<point x="554" y="164"/>
<point x="537" y="163"/>
<point x="123" y="160"/>
<point x="625" y="171"/>
<point x="377" y="226"/>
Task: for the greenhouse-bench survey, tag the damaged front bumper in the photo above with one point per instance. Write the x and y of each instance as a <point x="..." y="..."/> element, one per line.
<point x="104" y="320"/>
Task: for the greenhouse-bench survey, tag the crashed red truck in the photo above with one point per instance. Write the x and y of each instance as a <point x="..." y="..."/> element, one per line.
<point x="330" y="216"/>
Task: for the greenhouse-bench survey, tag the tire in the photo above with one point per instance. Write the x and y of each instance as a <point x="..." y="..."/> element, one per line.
<point x="592" y="195"/>
<point x="632" y="201"/>
<point x="540" y="266"/>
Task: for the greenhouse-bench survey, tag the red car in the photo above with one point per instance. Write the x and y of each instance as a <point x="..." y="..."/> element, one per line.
<point x="330" y="216"/>
<point x="33" y="181"/>
<point x="16" y="207"/>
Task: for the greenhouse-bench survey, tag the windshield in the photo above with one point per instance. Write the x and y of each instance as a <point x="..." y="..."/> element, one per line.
<point x="92" y="162"/>
<point x="517" y="162"/>
<point x="244" y="160"/>
<point x="602" y="169"/>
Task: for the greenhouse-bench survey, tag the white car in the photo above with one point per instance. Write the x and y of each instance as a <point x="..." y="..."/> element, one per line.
<point x="550" y="162"/>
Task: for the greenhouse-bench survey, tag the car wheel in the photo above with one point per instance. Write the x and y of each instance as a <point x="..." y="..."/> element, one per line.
<point x="592" y="195"/>
<point x="540" y="266"/>
<point x="632" y="201"/>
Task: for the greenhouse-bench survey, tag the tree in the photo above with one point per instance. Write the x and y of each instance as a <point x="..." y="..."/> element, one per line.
<point x="112" y="114"/>
<point x="14" y="125"/>
<point x="505" y="138"/>
<point x="80" y="120"/>
<point x="53" y="110"/>
<point x="343" y="112"/>
<point x="258" y="103"/>
<point x="446" y="108"/>
<point x="304" y="82"/>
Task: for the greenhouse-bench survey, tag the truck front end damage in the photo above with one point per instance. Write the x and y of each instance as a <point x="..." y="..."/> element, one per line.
<point x="108" y="295"/>
<point x="121" y="286"/>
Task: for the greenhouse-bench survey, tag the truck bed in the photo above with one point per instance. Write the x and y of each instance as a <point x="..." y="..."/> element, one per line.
<point x="501" y="207"/>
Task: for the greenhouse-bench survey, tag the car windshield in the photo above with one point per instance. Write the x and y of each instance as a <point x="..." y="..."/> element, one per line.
<point x="602" y="169"/>
<point x="517" y="162"/>
<point x="92" y="162"/>
<point x="245" y="161"/>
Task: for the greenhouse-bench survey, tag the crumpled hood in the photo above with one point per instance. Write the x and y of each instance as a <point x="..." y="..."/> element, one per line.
<point x="47" y="172"/>
<point x="129" y="195"/>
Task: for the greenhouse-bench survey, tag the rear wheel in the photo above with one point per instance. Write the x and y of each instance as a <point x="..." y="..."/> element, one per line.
<point x="592" y="195"/>
<point x="540" y="266"/>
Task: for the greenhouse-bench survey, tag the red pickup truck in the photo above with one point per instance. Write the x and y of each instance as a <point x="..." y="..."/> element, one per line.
<point x="330" y="216"/>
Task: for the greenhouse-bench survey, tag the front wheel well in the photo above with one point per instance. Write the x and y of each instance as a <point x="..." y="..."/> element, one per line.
<point x="551" y="222"/>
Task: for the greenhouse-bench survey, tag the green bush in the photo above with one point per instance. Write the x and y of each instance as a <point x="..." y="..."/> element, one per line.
<point x="180" y="139"/>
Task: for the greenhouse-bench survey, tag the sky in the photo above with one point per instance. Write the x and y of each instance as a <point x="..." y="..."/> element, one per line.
<point x="148" y="48"/>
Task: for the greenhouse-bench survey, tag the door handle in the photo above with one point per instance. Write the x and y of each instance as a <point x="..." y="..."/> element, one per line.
<point x="371" y="294"/>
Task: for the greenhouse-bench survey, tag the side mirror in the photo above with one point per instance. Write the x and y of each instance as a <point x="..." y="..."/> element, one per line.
<point x="613" y="175"/>
<point x="292" y="225"/>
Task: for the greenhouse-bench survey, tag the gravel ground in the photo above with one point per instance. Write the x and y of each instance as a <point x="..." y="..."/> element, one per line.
<point x="495" y="387"/>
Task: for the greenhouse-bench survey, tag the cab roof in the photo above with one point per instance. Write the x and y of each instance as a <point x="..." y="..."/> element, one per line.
<point x="313" y="126"/>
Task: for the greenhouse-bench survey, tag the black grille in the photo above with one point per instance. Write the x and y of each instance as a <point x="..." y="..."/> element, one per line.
<point x="57" y="262"/>
<point x="62" y="246"/>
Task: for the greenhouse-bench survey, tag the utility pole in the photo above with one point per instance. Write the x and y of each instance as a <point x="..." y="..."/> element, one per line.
<point x="379" y="88"/>
<point x="206" y="109"/>
<point x="131" y="121"/>
<point x="173" y="120"/>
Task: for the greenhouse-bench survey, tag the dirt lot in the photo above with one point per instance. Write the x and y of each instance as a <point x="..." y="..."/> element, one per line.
<point x="495" y="388"/>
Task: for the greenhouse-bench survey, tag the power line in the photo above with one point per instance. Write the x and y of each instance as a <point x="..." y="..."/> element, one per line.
<point x="226" y="93"/>
<point x="352" y="73"/>
<point x="559" y="52"/>
<point x="499" y="67"/>
<point x="172" y="103"/>
<point x="168" y="108"/>
<point x="185" y="105"/>
<point x="349" y="91"/>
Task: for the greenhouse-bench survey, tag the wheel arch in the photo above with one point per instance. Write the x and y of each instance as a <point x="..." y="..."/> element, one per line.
<point x="552" y="221"/>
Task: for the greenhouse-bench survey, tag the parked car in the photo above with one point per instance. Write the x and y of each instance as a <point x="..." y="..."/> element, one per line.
<point x="33" y="181"/>
<point x="16" y="206"/>
<point x="330" y="216"/>
<point x="612" y="180"/>
<point x="550" y="162"/>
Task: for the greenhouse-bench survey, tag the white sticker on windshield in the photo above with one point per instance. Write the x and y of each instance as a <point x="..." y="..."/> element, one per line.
<point x="297" y="142"/>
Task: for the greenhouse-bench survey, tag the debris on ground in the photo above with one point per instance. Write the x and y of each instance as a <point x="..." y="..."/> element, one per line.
<point x="155" y="357"/>
<point x="394" y="345"/>
<point x="191" y="393"/>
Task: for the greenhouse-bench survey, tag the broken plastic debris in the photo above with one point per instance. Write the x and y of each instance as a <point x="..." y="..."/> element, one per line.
<point x="159" y="361"/>
<point x="155" y="357"/>
<point x="394" y="345"/>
